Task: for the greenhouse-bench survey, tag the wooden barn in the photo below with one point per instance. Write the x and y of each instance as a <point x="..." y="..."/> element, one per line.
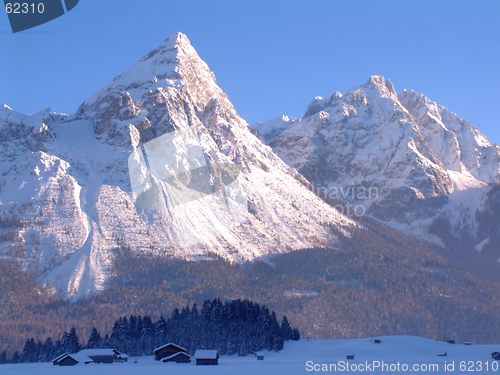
<point x="104" y="355"/>
<point x="168" y="350"/>
<point x="71" y="359"/>
<point x="55" y="361"/>
<point x="179" y="357"/>
<point x="206" y="357"/>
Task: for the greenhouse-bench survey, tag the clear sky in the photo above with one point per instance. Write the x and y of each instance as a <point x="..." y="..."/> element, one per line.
<point x="270" y="57"/>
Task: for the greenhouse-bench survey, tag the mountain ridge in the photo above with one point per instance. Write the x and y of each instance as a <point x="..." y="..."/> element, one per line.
<point x="427" y="164"/>
<point x="76" y="185"/>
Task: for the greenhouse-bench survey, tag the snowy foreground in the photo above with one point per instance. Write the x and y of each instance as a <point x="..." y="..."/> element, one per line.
<point x="414" y="354"/>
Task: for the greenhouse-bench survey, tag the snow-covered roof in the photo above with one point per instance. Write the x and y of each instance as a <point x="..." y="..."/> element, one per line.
<point x="175" y="355"/>
<point x="79" y="357"/>
<point x="206" y="354"/>
<point x="259" y="354"/>
<point x="59" y="358"/>
<point x="169" y="344"/>
<point x="90" y="352"/>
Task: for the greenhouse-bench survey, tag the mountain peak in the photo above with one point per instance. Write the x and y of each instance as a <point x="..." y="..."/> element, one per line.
<point x="177" y="39"/>
<point x="171" y="50"/>
<point x="383" y="85"/>
<point x="174" y="63"/>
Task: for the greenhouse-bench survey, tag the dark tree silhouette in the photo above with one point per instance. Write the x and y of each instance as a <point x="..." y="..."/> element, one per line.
<point x="231" y="327"/>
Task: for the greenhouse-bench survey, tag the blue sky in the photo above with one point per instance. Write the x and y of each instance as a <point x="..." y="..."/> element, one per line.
<point x="272" y="57"/>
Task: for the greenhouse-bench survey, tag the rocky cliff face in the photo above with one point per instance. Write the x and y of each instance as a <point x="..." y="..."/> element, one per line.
<point x="402" y="159"/>
<point x="66" y="197"/>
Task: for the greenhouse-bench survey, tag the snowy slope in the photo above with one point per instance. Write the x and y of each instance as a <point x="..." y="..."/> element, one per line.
<point x="411" y="354"/>
<point x="403" y="159"/>
<point x="66" y="197"/>
<point x="269" y="130"/>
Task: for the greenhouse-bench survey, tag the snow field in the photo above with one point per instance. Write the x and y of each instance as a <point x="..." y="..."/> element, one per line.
<point x="303" y="357"/>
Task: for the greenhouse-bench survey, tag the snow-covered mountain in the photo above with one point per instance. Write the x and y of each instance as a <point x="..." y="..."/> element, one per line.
<point x="66" y="197"/>
<point x="402" y="159"/>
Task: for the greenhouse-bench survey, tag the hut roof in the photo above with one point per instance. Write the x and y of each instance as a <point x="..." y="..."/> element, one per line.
<point x="175" y="355"/>
<point x="169" y="344"/>
<point x="57" y="359"/>
<point x="206" y="354"/>
<point x="80" y="358"/>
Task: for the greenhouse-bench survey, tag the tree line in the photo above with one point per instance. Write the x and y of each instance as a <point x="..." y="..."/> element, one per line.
<point x="236" y="326"/>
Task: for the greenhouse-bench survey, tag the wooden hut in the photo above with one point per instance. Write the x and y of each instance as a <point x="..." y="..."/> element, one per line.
<point x="260" y="356"/>
<point x="71" y="359"/>
<point x="56" y="360"/>
<point x="104" y="355"/>
<point x="206" y="357"/>
<point x="179" y="357"/>
<point x="377" y="341"/>
<point x="168" y="350"/>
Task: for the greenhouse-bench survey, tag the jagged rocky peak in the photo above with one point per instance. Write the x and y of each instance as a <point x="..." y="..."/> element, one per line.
<point x="460" y="145"/>
<point x="384" y="86"/>
<point x="170" y="64"/>
<point x="169" y="88"/>
<point x="375" y="88"/>
<point x="320" y="104"/>
<point x="430" y="167"/>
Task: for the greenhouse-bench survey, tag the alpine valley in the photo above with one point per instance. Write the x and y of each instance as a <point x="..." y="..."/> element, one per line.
<point x="76" y="249"/>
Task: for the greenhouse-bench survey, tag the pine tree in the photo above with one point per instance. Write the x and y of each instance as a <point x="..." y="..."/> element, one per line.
<point x="15" y="357"/>
<point x="47" y="352"/>
<point x="29" y="351"/>
<point x="295" y="335"/>
<point x="278" y="343"/>
<point x="286" y="329"/>
<point x="131" y="332"/>
<point x="106" y="342"/>
<point x="95" y="340"/>
<point x="72" y="342"/>
<point x="242" y="350"/>
<point x="175" y="314"/>
<point x="160" y="331"/>
<point x="3" y="358"/>
<point x="39" y="352"/>
<point x="146" y="340"/>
